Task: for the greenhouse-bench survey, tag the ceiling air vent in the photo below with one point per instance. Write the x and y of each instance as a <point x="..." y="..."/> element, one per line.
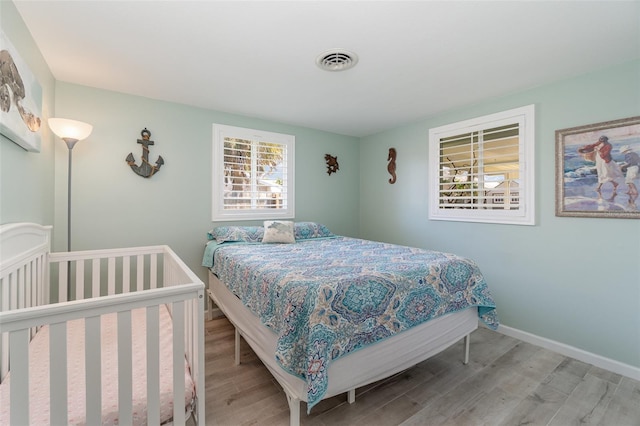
<point x="337" y="60"/>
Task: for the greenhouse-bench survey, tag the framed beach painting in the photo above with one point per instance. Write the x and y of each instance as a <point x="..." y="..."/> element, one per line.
<point x="598" y="170"/>
<point x="20" y="99"/>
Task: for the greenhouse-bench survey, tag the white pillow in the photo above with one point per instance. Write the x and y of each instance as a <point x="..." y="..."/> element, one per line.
<point x="278" y="231"/>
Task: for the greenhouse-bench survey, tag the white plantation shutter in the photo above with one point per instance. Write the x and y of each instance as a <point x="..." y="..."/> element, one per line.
<point x="481" y="170"/>
<point x="252" y="174"/>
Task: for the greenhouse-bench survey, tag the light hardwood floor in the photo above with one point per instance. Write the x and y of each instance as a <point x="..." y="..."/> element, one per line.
<point x="507" y="382"/>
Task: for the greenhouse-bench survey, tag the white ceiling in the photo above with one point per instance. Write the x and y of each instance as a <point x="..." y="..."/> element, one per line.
<point x="257" y="58"/>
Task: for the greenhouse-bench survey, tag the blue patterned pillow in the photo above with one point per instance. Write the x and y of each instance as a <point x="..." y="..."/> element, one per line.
<point x="247" y="234"/>
<point x="307" y="230"/>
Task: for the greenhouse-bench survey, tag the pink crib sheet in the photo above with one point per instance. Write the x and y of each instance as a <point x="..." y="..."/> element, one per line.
<point x="39" y="372"/>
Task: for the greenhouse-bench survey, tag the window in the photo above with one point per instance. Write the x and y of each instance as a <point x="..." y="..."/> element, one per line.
<point x="252" y="174"/>
<point x="482" y="170"/>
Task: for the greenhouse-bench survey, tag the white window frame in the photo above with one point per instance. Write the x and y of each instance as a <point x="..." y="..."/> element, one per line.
<point x="220" y="132"/>
<point x="525" y="214"/>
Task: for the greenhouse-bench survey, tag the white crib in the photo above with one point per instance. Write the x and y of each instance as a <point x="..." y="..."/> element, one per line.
<point x="125" y="286"/>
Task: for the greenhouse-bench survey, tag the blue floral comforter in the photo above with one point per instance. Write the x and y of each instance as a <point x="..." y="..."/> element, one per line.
<point x="326" y="298"/>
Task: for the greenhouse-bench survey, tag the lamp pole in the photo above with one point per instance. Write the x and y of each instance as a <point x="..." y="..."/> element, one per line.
<point x="70" y="144"/>
<point x="70" y="131"/>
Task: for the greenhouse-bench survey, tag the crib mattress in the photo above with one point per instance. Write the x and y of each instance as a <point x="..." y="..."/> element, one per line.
<point x="39" y="372"/>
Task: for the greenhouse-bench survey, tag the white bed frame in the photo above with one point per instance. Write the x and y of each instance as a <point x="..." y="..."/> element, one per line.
<point x="28" y="274"/>
<point x="360" y="368"/>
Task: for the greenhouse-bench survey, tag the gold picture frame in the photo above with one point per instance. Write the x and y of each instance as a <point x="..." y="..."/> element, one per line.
<point x="598" y="170"/>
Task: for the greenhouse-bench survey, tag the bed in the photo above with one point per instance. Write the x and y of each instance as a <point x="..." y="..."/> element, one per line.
<point x="327" y="314"/>
<point x="98" y="337"/>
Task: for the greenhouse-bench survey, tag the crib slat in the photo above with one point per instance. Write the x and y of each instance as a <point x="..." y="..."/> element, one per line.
<point x="95" y="278"/>
<point x="31" y="289"/>
<point x="4" y="368"/>
<point x="58" y="372"/>
<point x="80" y="279"/>
<point x="153" y="365"/>
<point x="153" y="271"/>
<point x="13" y="291"/>
<point x="19" y="393"/>
<point x="62" y="281"/>
<point x="93" y="357"/>
<point x="126" y="274"/>
<point x="4" y="364"/>
<point x="5" y="293"/>
<point x="140" y="273"/>
<point x="111" y="268"/>
<point x="178" y="363"/>
<point x="37" y="284"/>
<point x="21" y="290"/>
<point x="43" y="297"/>
<point x="125" y="387"/>
<point x="192" y="317"/>
<point x="30" y="285"/>
<point x="189" y="329"/>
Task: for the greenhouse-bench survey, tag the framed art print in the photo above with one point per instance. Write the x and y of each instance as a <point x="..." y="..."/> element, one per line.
<point x="20" y="99"/>
<point x="598" y="170"/>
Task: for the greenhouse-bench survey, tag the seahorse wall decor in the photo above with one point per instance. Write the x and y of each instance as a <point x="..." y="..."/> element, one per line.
<point x="332" y="164"/>
<point x="391" y="167"/>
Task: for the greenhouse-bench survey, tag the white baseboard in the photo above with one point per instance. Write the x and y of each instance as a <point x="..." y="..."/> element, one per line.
<point x="573" y="352"/>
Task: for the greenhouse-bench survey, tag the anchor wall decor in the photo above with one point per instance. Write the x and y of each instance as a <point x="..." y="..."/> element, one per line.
<point x="146" y="170"/>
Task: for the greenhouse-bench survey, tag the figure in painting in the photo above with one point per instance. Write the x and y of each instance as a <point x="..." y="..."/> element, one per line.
<point x="12" y="91"/>
<point x="607" y="169"/>
<point x="631" y="168"/>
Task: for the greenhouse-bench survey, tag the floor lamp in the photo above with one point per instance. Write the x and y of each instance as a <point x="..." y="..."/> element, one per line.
<point x="70" y="131"/>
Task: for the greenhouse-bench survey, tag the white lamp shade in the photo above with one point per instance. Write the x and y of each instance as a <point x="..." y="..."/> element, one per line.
<point x="70" y="129"/>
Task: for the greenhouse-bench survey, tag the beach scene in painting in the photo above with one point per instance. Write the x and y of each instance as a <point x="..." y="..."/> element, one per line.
<point x="601" y="170"/>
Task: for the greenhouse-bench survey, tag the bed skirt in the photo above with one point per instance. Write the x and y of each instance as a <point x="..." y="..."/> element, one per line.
<point x="367" y="365"/>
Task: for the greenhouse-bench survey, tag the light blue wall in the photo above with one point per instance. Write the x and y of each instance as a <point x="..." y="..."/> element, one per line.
<point x="572" y="280"/>
<point x="26" y="178"/>
<point x="114" y="207"/>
